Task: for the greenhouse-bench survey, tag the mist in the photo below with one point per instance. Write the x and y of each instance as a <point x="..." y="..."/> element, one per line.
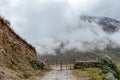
<point x="47" y="24"/>
<point x="83" y="37"/>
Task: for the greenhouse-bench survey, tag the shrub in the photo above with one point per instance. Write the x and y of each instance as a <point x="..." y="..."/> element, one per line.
<point x="109" y="68"/>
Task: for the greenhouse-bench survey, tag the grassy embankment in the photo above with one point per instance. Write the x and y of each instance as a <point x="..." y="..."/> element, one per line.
<point x="88" y="74"/>
<point x="118" y="65"/>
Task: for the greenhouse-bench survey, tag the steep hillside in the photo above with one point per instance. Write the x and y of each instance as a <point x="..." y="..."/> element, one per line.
<point x="15" y="54"/>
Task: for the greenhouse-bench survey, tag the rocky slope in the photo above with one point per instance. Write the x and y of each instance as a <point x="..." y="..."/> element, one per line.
<point x="15" y="54"/>
<point x="108" y="24"/>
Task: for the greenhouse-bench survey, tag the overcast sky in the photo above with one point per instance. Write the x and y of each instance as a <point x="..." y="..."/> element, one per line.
<point x="37" y="20"/>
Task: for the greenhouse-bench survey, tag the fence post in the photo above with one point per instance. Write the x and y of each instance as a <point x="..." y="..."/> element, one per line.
<point x="61" y="65"/>
<point x="56" y="63"/>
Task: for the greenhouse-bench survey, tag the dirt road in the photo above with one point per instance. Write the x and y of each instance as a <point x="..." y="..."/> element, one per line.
<point x="57" y="74"/>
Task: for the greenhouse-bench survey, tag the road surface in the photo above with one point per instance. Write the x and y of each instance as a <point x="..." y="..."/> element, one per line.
<point x="57" y="74"/>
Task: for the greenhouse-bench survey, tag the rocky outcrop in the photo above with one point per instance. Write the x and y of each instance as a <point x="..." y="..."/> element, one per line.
<point x="15" y="54"/>
<point x="37" y="64"/>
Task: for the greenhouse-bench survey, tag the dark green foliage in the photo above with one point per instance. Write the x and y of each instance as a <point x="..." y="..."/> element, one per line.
<point x="37" y="65"/>
<point x="109" y="67"/>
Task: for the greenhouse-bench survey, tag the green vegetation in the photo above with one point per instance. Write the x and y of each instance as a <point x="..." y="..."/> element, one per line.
<point x="96" y="74"/>
<point x="89" y="74"/>
<point x="109" y="68"/>
<point x="118" y="65"/>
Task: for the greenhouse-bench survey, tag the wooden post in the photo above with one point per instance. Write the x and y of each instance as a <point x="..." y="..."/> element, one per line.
<point x="61" y="65"/>
<point x="70" y="66"/>
<point x="56" y="63"/>
<point x="66" y="66"/>
<point x="47" y="64"/>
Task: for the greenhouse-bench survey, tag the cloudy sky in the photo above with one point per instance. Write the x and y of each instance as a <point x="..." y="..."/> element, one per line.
<point x="39" y="20"/>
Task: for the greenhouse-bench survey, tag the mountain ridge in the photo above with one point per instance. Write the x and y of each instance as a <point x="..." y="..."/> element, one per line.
<point x="66" y="49"/>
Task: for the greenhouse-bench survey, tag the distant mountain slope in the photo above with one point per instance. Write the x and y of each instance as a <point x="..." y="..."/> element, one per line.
<point x="71" y="49"/>
<point x="15" y="54"/>
<point x="70" y="56"/>
<point x="108" y="24"/>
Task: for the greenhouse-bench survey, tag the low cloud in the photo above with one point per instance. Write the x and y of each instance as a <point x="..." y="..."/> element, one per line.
<point x="50" y="22"/>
